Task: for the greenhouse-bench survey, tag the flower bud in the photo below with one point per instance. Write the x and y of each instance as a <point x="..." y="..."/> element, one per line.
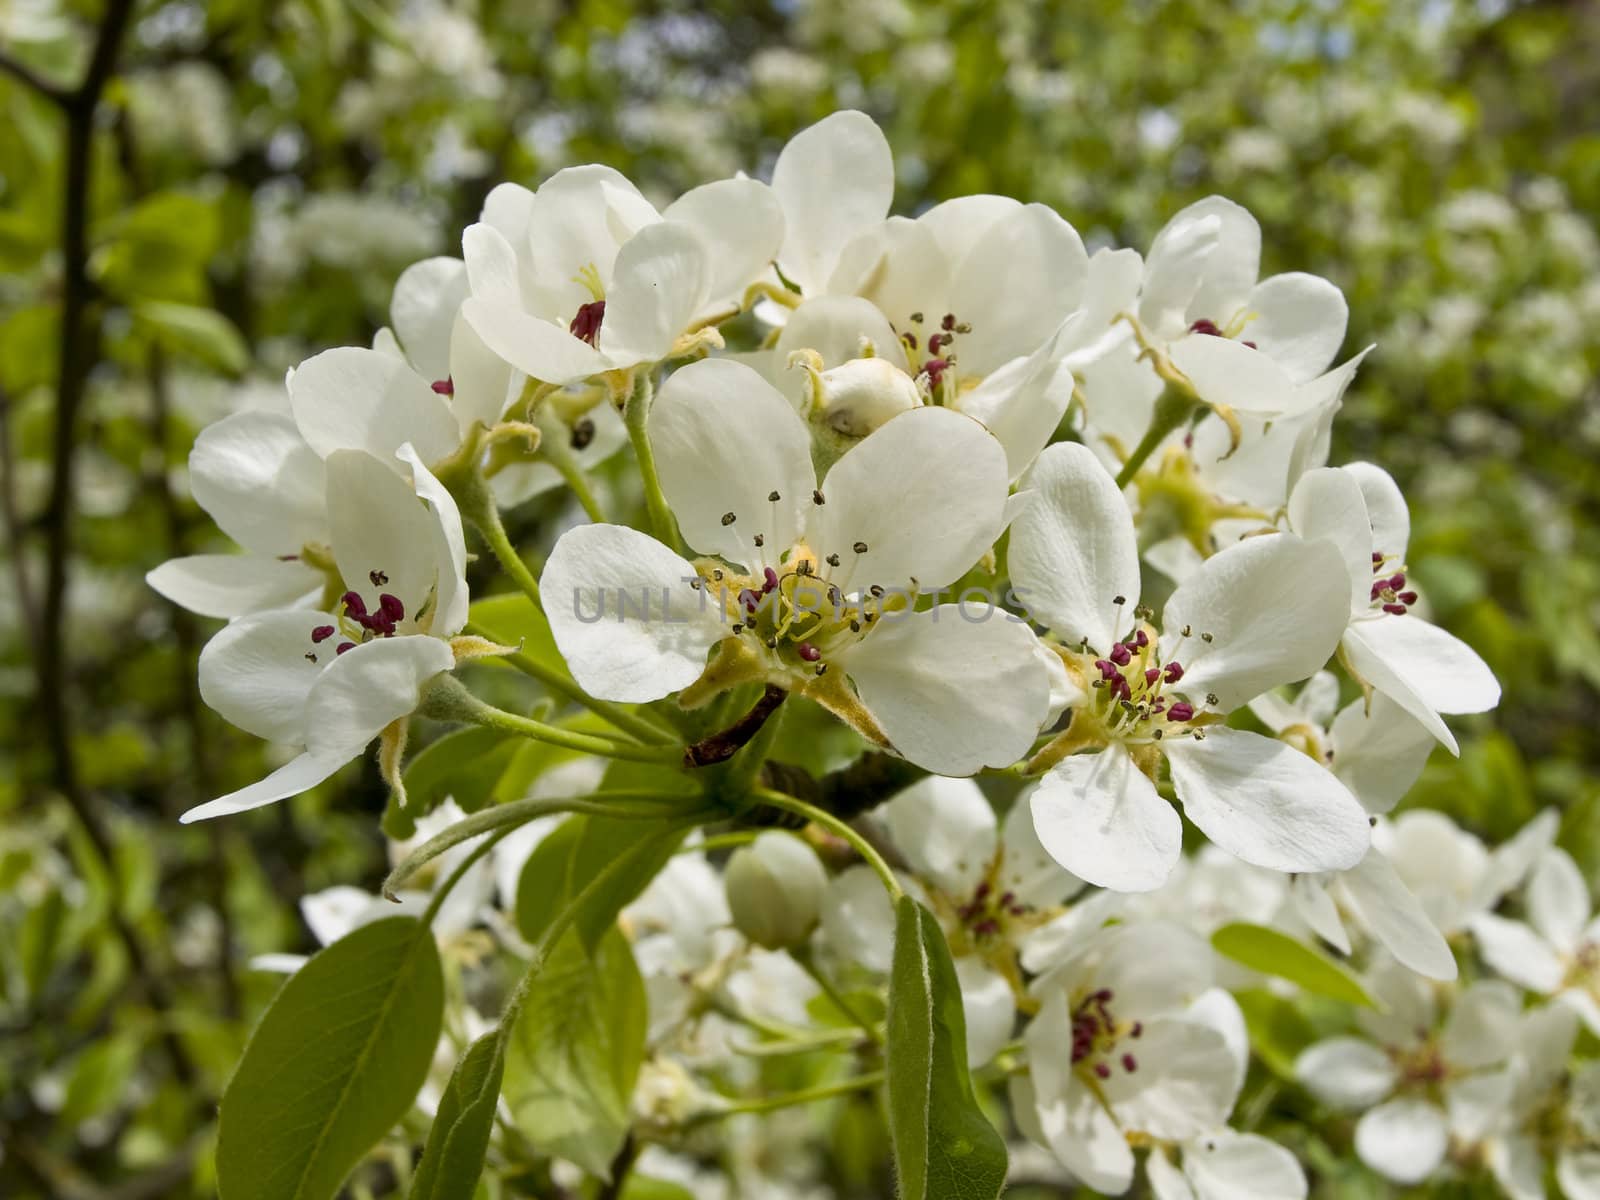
<point x="860" y="395"/>
<point x="775" y="887"/>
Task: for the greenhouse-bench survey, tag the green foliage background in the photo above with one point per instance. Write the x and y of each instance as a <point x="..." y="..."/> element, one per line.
<point x="262" y="171"/>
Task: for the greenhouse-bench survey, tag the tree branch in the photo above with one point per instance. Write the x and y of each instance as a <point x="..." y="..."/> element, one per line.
<point x="32" y="80"/>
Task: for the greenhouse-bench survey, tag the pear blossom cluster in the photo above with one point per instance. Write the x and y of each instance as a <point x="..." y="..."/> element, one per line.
<point x="1055" y="534"/>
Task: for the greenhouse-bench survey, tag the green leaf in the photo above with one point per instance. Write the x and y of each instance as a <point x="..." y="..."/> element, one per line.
<point x="572" y="856"/>
<point x="944" y="1147"/>
<point x="1273" y="953"/>
<point x="336" y="1061"/>
<point x="464" y="764"/>
<point x="99" y="1078"/>
<point x="1278" y="1030"/>
<point x="453" y="1158"/>
<point x="200" y="333"/>
<point x="576" y="1051"/>
<point x="159" y="249"/>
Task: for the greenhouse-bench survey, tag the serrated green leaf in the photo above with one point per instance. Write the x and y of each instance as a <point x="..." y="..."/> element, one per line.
<point x="576" y="1051"/>
<point x="944" y="1147"/>
<point x="337" y="1059"/>
<point x="452" y="1160"/>
<point x="1273" y="953"/>
<point x="572" y="856"/>
<point x="464" y="764"/>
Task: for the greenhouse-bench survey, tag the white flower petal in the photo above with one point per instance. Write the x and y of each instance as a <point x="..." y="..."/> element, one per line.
<point x="335" y="911"/>
<point x="1230" y="373"/>
<point x="1327" y="504"/>
<point x="1518" y="1167"/>
<point x="1381" y="754"/>
<point x="991" y="1009"/>
<point x="450" y="547"/>
<point x="1403" y="1140"/>
<point x="1166" y="1181"/>
<point x="1022" y="278"/>
<point x="1022" y="403"/>
<point x="857" y="918"/>
<point x="1026" y="868"/>
<point x="1477" y="1104"/>
<point x="663" y="279"/>
<point x="743" y="220"/>
<point x="1075" y="1125"/>
<point x="623" y="614"/>
<point x="1481" y="1029"/>
<point x="260" y="481"/>
<point x="1174" y="267"/>
<point x="1182" y="1084"/>
<point x="357" y="399"/>
<point x="230" y="585"/>
<point x="724" y="441"/>
<point x="1230" y="271"/>
<point x="1558" y="899"/>
<point x="1274" y="606"/>
<point x="494" y="275"/>
<point x="926" y="493"/>
<point x="481" y="379"/>
<point x="539" y="348"/>
<point x="1103" y="820"/>
<point x="834" y="179"/>
<point x="296" y="776"/>
<point x="954" y="693"/>
<point x="426" y="298"/>
<point x="945" y="829"/>
<point x="579" y="219"/>
<point x="255" y="672"/>
<point x="368" y="687"/>
<point x="1266" y="802"/>
<point x="835" y="327"/>
<point x="1383" y="903"/>
<point x="1073" y="550"/>
<point x="1423" y="669"/>
<point x="1386" y="509"/>
<point x="1242" y="1166"/>
<point x="1517" y="952"/>
<point x="385" y="540"/>
<point x="1346" y="1072"/>
<point x="1299" y="322"/>
<point x="1315" y="906"/>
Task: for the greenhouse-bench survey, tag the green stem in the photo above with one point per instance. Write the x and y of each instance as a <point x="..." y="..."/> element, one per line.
<point x="722" y="841"/>
<point x="559" y="456"/>
<point x="1173" y="408"/>
<point x="808" y="963"/>
<point x="488" y="524"/>
<point x="448" y="700"/>
<point x="635" y="414"/>
<point x="616" y="804"/>
<point x="447" y="885"/>
<point x="630" y="723"/>
<point x="826" y="1091"/>
<point x="835" y="826"/>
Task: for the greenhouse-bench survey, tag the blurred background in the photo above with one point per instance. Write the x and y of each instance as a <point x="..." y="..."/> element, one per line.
<point x="240" y="184"/>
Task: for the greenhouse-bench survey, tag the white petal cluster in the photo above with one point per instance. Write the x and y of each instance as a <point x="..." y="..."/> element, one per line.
<point x="1051" y="533"/>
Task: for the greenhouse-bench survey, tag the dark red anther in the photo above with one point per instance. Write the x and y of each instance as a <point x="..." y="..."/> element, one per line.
<point x="1137" y="1030"/>
<point x="445" y="387"/>
<point x="809" y="652"/>
<point x="1181" y="711"/>
<point x="1209" y="328"/>
<point x="981" y="892"/>
<point x="343" y="646"/>
<point x="1252" y="345"/>
<point x="354" y="604"/>
<point x="1103" y="1071"/>
<point x="322" y="633"/>
<point x="1377" y="558"/>
<point x="391" y="606"/>
<point x="586" y="325"/>
<point x="1108" y="669"/>
<point x="1151" y="674"/>
<point x="948" y="324"/>
<point x="910" y="339"/>
<point x="1173" y="672"/>
<point x="1141" y="639"/>
<point x="770" y="583"/>
<point x="1120" y="688"/>
<point x="936" y="341"/>
<point x="1129" y="1063"/>
<point x="1398" y="610"/>
<point x="1120" y="655"/>
<point x="749" y="599"/>
<point x="1407" y="597"/>
<point x="935" y="368"/>
<point x="1396" y="582"/>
